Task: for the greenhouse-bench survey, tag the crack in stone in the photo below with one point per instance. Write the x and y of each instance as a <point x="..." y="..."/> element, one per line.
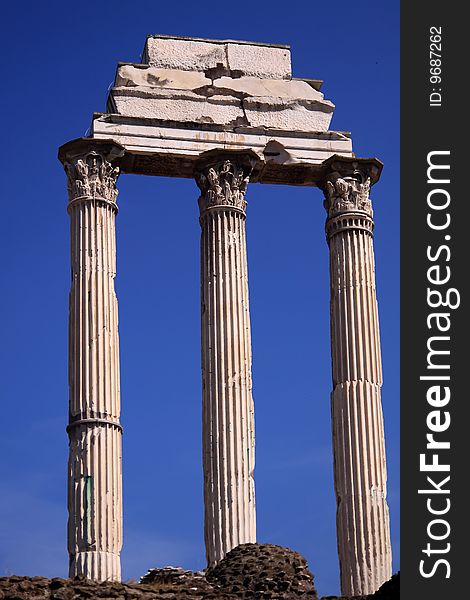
<point x="210" y="90"/>
<point x="220" y="71"/>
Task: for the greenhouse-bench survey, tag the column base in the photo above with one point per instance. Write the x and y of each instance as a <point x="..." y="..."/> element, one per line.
<point x="97" y="566"/>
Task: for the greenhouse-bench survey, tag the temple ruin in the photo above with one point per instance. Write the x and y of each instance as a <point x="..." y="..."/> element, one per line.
<point x="228" y="114"/>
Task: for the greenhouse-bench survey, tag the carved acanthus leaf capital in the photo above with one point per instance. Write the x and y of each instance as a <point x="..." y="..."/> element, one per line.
<point x="346" y="184"/>
<point x="91" y="176"/>
<point x="223" y="183"/>
<point x="347" y="194"/>
<point x="92" y="168"/>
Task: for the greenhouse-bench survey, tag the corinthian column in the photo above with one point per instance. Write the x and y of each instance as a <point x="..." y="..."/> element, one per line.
<point x="363" y="528"/>
<point x="227" y="402"/>
<point x="94" y="472"/>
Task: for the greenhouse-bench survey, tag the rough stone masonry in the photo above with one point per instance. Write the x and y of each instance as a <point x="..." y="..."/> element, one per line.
<point x="228" y="114"/>
<point x="249" y="572"/>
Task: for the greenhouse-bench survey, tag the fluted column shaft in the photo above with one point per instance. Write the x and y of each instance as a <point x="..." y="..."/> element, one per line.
<point x="94" y="472"/>
<point x="363" y="529"/>
<point x="228" y="413"/>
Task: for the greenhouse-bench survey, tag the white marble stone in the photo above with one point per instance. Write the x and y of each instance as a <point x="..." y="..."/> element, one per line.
<point x="222" y="109"/>
<point x="187" y="55"/>
<point x="193" y="95"/>
<point x="227" y="402"/>
<point x="260" y="61"/>
<point x="172" y="150"/>
<point x="177" y="106"/>
<point x="175" y="79"/>
<point x="203" y="55"/>
<point x="95" y="456"/>
<point x="360" y="473"/>
<point x="194" y="82"/>
<point x="288" y="115"/>
<point x="153" y="77"/>
<point x="277" y="88"/>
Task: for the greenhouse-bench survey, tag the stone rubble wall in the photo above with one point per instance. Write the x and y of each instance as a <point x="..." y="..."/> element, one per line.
<point x="263" y="571"/>
<point x="250" y="571"/>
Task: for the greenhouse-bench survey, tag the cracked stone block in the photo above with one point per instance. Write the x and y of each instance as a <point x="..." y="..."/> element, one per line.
<point x="279" y="113"/>
<point x="268" y="112"/>
<point x="189" y="108"/>
<point x="259" y="61"/>
<point x="254" y="86"/>
<point x="132" y="76"/>
<point x="189" y="55"/>
<point x="226" y="56"/>
<point x="177" y="79"/>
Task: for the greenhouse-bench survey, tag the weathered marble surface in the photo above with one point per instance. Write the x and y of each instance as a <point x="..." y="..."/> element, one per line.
<point x="95" y="464"/>
<point x="235" y="57"/>
<point x="189" y="96"/>
<point x="363" y="522"/>
<point x="228" y="428"/>
<point x="192" y="97"/>
<point x="168" y="149"/>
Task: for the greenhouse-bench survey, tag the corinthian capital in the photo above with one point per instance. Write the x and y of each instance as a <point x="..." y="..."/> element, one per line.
<point x="223" y="179"/>
<point x="346" y="184"/>
<point x="92" y="168"/>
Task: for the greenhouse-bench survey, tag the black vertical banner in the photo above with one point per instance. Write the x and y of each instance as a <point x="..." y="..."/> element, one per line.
<point x="435" y="318"/>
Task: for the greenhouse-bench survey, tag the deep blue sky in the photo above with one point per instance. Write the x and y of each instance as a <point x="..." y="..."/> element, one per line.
<point x="58" y="61"/>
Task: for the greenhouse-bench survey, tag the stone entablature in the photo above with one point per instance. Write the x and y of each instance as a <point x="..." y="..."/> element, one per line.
<point x="219" y="82"/>
<point x="189" y="96"/>
<point x="159" y="148"/>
